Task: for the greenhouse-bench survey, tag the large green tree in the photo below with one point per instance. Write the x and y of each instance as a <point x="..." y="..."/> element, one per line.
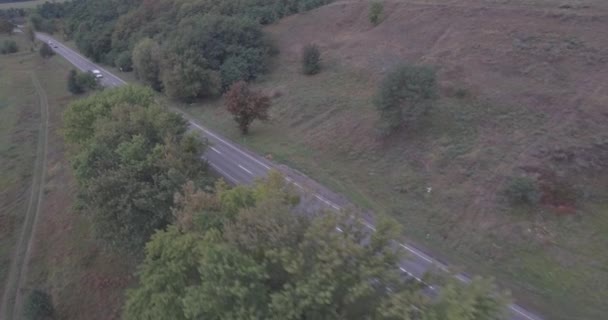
<point x="243" y="254"/>
<point x="130" y="157"/>
<point x="147" y="62"/>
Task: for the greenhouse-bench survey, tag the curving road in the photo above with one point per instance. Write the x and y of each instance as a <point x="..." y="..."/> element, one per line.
<point x="240" y="166"/>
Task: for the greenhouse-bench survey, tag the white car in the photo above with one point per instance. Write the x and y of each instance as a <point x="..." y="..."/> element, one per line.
<point x="97" y="73"/>
<point x="52" y="44"/>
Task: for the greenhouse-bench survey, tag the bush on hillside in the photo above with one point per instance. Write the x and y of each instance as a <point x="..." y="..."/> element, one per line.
<point x="8" y="46"/>
<point x="375" y="13"/>
<point x="522" y="191"/>
<point x="311" y="59"/>
<point x="38" y="306"/>
<point x="404" y="95"/>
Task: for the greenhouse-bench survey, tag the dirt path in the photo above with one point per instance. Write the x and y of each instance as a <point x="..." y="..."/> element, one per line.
<point x="11" y="300"/>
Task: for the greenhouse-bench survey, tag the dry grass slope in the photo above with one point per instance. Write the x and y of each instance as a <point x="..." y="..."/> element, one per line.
<point x="523" y="91"/>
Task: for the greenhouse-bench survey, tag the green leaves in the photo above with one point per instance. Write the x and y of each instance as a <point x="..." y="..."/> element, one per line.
<point x="129" y="161"/>
<point x="244" y="254"/>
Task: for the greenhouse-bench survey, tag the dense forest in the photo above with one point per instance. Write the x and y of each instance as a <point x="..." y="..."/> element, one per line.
<point x="188" y="48"/>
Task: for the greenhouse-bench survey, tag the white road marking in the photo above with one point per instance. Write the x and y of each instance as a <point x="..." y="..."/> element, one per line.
<point x="517" y="309"/>
<point x="240" y="166"/>
<point x="422" y="256"/>
<point x="368" y="225"/>
<point x="216" y="151"/>
<point x="224" y="173"/>
<point x="229" y="144"/>
<point x="327" y="202"/>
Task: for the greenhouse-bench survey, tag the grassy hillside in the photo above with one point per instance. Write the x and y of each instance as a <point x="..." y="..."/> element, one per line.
<point x="522" y="92"/>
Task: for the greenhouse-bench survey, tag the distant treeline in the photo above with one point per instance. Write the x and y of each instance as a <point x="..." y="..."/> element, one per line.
<point x="9" y="1"/>
<point x="189" y="48"/>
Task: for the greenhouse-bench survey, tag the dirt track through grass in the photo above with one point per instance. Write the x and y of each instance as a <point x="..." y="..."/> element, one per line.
<point x="11" y="300"/>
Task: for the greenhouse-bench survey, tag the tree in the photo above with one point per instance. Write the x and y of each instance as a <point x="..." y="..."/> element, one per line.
<point x="311" y="59"/>
<point x="46" y="51"/>
<point x="38" y="306"/>
<point x="186" y="80"/>
<point x="246" y="105"/>
<point x="129" y="167"/>
<point x="146" y="63"/>
<point x="375" y="13"/>
<point x="29" y="31"/>
<point x="6" y="26"/>
<point x="80" y="82"/>
<point x="123" y="61"/>
<point x="255" y="259"/>
<point x="73" y="85"/>
<point x="405" y="94"/>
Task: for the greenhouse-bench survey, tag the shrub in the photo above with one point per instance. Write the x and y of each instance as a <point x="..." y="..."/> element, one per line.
<point x="311" y="59"/>
<point x="405" y="94"/>
<point x="38" y="306"/>
<point x="46" y="51"/>
<point x="80" y="82"/>
<point x="375" y="13"/>
<point x="8" y="46"/>
<point x="123" y="61"/>
<point x="522" y="191"/>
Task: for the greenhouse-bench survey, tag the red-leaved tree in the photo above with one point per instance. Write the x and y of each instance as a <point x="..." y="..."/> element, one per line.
<point x="246" y="105"/>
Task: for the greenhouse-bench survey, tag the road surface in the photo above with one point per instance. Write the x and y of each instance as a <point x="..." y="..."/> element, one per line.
<point x="241" y="166"/>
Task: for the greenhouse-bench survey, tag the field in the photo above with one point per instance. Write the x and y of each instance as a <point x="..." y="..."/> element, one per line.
<point x="63" y="258"/>
<point x="523" y="91"/>
<point x="19" y="128"/>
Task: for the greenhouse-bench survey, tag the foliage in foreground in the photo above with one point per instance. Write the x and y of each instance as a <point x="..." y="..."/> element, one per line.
<point x="38" y="306"/>
<point x="246" y="105"/>
<point x="243" y="254"/>
<point x="130" y="156"/>
<point x="405" y="94"/>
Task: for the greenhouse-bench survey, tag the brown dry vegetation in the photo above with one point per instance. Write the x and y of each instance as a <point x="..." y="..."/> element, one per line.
<point x="524" y="91"/>
<point x="85" y="282"/>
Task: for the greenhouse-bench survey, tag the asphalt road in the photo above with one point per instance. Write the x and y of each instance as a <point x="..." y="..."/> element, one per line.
<point x="241" y="166"/>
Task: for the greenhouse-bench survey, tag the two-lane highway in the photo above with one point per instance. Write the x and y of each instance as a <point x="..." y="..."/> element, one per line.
<point x="241" y="166"/>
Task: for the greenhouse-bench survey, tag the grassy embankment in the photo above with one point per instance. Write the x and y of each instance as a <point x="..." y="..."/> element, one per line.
<point x="465" y="150"/>
<point x="64" y="259"/>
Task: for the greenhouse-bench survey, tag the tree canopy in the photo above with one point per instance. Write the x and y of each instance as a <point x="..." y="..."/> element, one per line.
<point x="242" y="253"/>
<point x="189" y="48"/>
<point x="130" y="157"/>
